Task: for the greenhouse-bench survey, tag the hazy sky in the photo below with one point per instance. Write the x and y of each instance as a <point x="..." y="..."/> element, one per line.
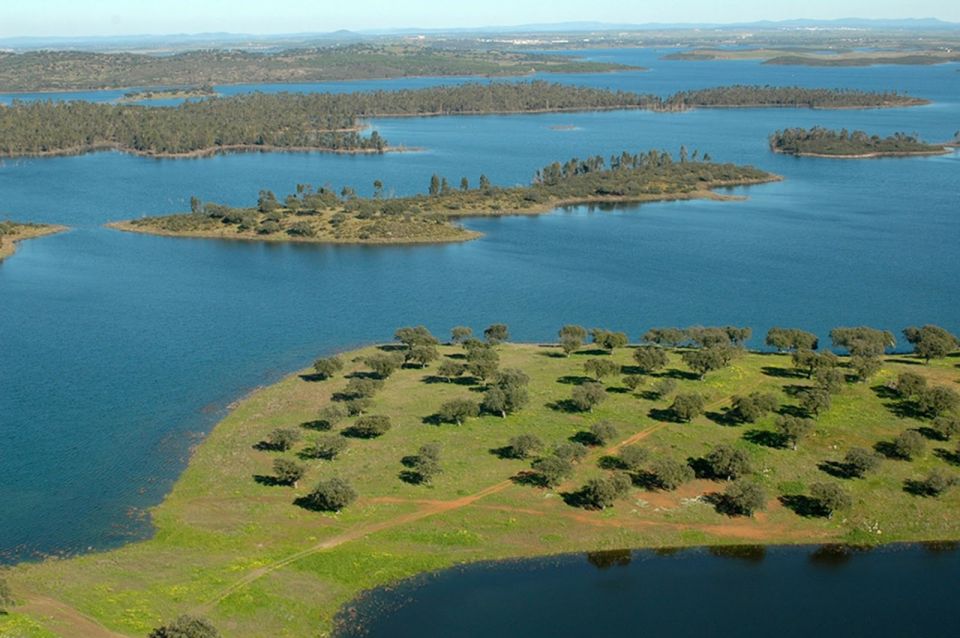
<point x="113" y="17"/>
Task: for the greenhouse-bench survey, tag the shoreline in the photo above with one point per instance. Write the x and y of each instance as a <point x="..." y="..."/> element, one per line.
<point x="871" y="155"/>
<point x="463" y="235"/>
<point x="9" y="247"/>
<point x="207" y="152"/>
<point x="205" y="513"/>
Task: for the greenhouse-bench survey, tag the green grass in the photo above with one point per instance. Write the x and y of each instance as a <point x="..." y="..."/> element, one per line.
<point x="218" y="525"/>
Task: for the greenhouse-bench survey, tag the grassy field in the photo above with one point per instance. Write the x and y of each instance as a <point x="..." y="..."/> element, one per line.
<point x="238" y="551"/>
<point x="12" y="232"/>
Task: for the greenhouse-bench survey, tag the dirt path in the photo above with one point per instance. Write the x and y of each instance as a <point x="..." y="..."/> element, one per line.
<point x="429" y="508"/>
<point x="65" y="620"/>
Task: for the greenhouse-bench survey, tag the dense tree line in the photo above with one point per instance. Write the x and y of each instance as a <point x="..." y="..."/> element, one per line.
<point x="822" y="141"/>
<point x="331" y="121"/>
<point x="789" y="96"/>
<point x="79" y="70"/>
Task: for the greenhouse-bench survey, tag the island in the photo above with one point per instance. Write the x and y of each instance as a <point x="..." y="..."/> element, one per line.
<point x="415" y="455"/>
<point x="334" y="122"/>
<point x="816" y="57"/>
<point x="181" y="93"/>
<point x="12" y="232"/>
<point x="325" y="216"/>
<point x="35" y="71"/>
<point x="843" y="144"/>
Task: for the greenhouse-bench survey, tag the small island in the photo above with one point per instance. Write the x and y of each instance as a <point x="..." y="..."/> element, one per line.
<point x="815" y="57"/>
<point x="13" y="232"/>
<point x="326" y="216"/>
<point x="182" y="93"/>
<point x="843" y="144"/>
<point x="415" y="455"/>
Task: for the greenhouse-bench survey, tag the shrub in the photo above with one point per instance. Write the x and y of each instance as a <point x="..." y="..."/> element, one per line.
<point x="649" y="359"/>
<point x="860" y="461"/>
<point x="331" y="416"/>
<point x="553" y="469"/>
<point x="587" y="396"/>
<point x="744" y="497"/>
<point x="665" y="388"/>
<point x="603" y="432"/>
<point x="458" y="410"/>
<point x="687" y="407"/>
<point x="331" y="495"/>
<point x="830" y="497"/>
<point x="935" y="483"/>
<point x="747" y="409"/>
<point x="282" y="439"/>
<point x="524" y="445"/>
<point x="670" y="474"/>
<point x="571" y="451"/>
<point x="186" y="627"/>
<point x="326" y="367"/>
<point x="288" y="472"/>
<point x="794" y="428"/>
<point x="727" y="462"/>
<point x="908" y="445"/>
<point x="601" y="493"/>
<point x="326" y="447"/>
<point x="370" y="427"/>
<point x="633" y="457"/>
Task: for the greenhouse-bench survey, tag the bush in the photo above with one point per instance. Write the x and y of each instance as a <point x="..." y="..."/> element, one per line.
<point x="633" y="457"/>
<point x="330" y="416"/>
<point x="687" y="407"/>
<point x="524" y="445"/>
<point x="601" y="493"/>
<point x="326" y="447"/>
<point x="937" y="400"/>
<point x="587" y="396"/>
<point x="383" y="365"/>
<point x="665" y="388"/>
<point x="750" y="408"/>
<point x="744" y="497"/>
<point x="946" y="426"/>
<point x="670" y="474"/>
<point x="910" y="384"/>
<point x="326" y="367"/>
<point x="908" y="445"/>
<point x="186" y="627"/>
<point x="359" y="388"/>
<point x="288" y="472"/>
<point x="281" y="439"/>
<point x="458" y="410"/>
<point x="935" y="483"/>
<point x="860" y="461"/>
<point x="600" y="368"/>
<point x="793" y="428"/>
<point x="728" y="462"/>
<point x="553" y="469"/>
<point x="830" y="497"/>
<point x="331" y="495"/>
<point x="370" y="427"/>
<point x="649" y="359"/>
<point x="603" y="432"/>
<point x="571" y="451"/>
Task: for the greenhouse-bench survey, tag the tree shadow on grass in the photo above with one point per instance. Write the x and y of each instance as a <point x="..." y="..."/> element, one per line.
<point x="432" y="379"/>
<point x="577" y="499"/>
<point x="664" y="415"/>
<point x="575" y="379"/>
<point x="906" y="362"/>
<point x="608" y="462"/>
<point x="722" y="504"/>
<point x="950" y="457"/>
<point x="585" y="438"/>
<point x="889" y="450"/>
<point x="931" y="434"/>
<point x="564" y="405"/>
<point x="794" y="390"/>
<point x="618" y="390"/>
<point x="320" y="425"/>
<point x="392" y="347"/>
<point x="646" y="480"/>
<point x="884" y="392"/>
<point x="724" y="418"/>
<point x="529" y="478"/>
<point x="782" y="373"/>
<point x="918" y="488"/>
<point x="433" y="419"/>
<point x="270" y="481"/>
<point x="766" y="438"/>
<point x="803" y="505"/>
<point x="838" y="469"/>
<point x="504" y="453"/>
<point x="792" y="410"/>
<point x="682" y="375"/>
<point x="411" y="477"/>
<point x="553" y="355"/>
<point x="264" y="446"/>
<point x="314" y="377"/>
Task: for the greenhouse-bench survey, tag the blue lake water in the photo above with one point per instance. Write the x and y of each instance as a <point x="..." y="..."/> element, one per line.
<point x="121" y="350"/>
<point x="750" y="592"/>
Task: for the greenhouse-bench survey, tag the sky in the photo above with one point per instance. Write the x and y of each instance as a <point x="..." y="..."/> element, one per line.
<point x="125" y="17"/>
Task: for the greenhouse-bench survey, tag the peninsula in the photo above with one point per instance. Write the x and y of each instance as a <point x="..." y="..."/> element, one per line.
<point x="13" y="232"/>
<point x="390" y="461"/>
<point x="334" y="122"/>
<point x="326" y="216"/>
<point x="793" y="57"/>
<point x="821" y="142"/>
<point x="86" y="71"/>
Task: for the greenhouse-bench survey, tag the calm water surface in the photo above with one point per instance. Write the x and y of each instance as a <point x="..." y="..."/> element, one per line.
<point x="120" y="350"/>
<point x="748" y="592"/>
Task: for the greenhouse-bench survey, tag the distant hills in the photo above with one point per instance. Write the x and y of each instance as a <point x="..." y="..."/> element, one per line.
<point x="266" y="42"/>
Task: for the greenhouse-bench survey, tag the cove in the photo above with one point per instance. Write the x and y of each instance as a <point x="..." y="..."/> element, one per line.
<point x="742" y="591"/>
